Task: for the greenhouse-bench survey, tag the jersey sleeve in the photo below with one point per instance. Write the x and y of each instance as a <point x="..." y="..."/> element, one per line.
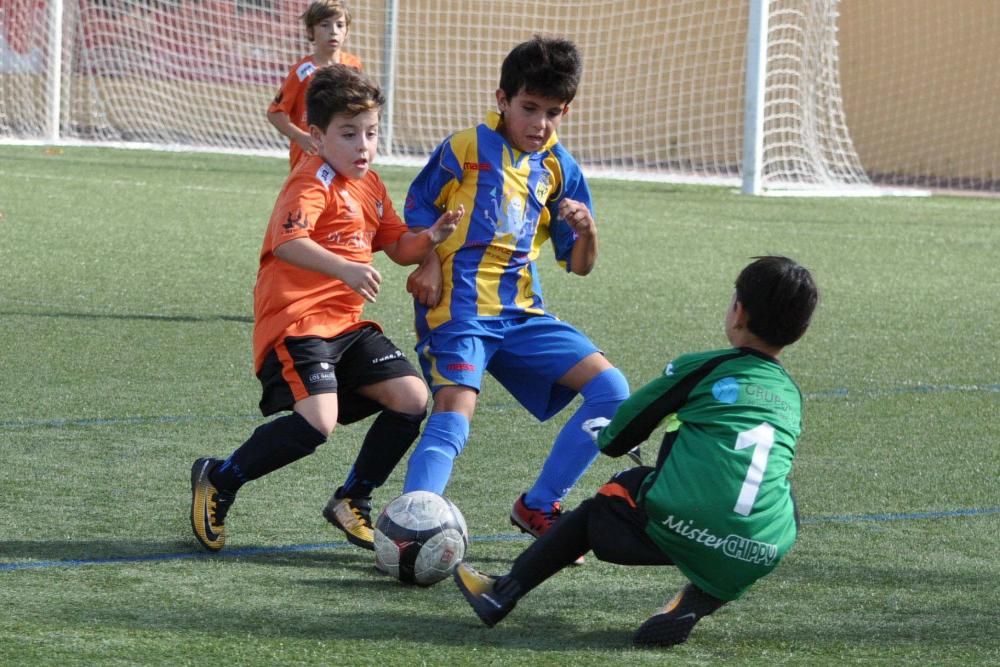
<point x="301" y="202"/>
<point x="286" y="95"/>
<point x="390" y="227"/>
<point x="350" y="60"/>
<point x="574" y="186"/>
<point x="428" y="195"/>
<point x="642" y="412"/>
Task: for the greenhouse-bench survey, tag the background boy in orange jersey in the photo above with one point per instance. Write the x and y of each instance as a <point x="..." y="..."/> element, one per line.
<point x="313" y="353"/>
<point x="327" y="23"/>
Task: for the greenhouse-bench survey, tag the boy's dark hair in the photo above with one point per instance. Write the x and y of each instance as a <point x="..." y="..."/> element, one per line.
<point x="317" y="12"/>
<point x="340" y="89"/>
<point x="779" y="297"/>
<point x="546" y="66"/>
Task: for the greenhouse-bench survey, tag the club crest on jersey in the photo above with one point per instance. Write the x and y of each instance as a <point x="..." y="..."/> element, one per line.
<point x="543" y="187"/>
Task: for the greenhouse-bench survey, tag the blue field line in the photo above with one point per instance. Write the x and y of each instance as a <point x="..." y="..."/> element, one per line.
<point x="838" y="392"/>
<point x="900" y="516"/>
<point x="503" y="537"/>
<point x="843" y="392"/>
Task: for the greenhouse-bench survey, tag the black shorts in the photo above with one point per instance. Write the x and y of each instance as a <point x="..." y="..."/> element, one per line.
<point x="616" y="526"/>
<point x="298" y="367"/>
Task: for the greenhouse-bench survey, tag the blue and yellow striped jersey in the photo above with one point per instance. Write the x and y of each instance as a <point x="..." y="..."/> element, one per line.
<point x="511" y="201"/>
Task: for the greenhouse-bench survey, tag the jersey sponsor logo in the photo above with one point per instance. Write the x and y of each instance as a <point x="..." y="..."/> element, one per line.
<point x="388" y="357"/>
<point x="379" y="208"/>
<point x="304" y="70"/>
<point x="461" y="366"/>
<point x="477" y="166"/>
<point x="295" y="220"/>
<point x="325" y="175"/>
<point x="324" y="376"/>
<point x="352" y="239"/>
<point x="733" y="546"/>
<point x="759" y="395"/>
<point x="726" y="390"/>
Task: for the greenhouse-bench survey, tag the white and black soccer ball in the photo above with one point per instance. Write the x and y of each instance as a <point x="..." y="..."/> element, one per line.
<point x="420" y="537"/>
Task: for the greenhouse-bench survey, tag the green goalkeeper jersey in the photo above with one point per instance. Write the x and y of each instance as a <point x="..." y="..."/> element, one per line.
<point x="719" y="502"/>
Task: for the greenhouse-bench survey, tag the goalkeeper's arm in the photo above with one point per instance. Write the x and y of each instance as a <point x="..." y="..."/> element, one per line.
<point x="639" y="415"/>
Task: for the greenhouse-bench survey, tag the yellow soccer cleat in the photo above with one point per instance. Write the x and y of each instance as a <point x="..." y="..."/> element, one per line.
<point x="209" y="506"/>
<point x="354" y="517"/>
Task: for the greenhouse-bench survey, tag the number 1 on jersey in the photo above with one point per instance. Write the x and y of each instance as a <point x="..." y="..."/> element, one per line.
<point x="761" y="438"/>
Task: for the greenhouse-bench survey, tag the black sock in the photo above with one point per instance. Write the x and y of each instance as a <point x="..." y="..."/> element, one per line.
<point x="558" y="547"/>
<point x="271" y="446"/>
<point x="697" y="601"/>
<point x="390" y="435"/>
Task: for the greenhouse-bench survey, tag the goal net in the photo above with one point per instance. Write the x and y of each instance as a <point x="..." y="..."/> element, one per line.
<point x="663" y="94"/>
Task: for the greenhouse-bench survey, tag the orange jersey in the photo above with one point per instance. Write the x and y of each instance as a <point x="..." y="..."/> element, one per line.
<point x="352" y="218"/>
<point x="291" y="97"/>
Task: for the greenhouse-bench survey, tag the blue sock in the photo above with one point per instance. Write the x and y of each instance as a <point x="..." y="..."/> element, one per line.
<point x="431" y="462"/>
<point x="574" y="450"/>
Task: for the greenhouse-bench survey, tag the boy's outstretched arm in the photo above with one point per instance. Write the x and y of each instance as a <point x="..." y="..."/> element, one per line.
<point x="412" y="246"/>
<point x="584" y="254"/>
<point x="307" y="254"/>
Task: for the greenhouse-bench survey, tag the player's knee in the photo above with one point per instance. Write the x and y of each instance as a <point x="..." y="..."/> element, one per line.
<point x="609" y="386"/>
<point x="444" y="435"/>
<point x="405" y="395"/>
<point x="323" y="424"/>
<point x="299" y="430"/>
<point x="320" y="411"/>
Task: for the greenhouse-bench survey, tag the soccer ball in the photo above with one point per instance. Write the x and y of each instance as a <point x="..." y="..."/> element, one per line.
<point x="419" y="538"/>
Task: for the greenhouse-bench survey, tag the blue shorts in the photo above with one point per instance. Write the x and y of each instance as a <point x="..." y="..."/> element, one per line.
<point x="527" y="355"/>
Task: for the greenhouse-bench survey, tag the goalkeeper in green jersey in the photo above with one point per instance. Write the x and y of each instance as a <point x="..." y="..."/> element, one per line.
<point x="718" y="503"/>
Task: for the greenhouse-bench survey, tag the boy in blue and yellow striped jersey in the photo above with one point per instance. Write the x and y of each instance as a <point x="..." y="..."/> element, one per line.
<point x="481" y="308"/>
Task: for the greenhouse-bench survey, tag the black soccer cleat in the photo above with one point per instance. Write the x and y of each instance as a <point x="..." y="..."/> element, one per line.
<point x="209" y="506"/>
<point x="492" y="598"/>
<point x="672" y="624"/>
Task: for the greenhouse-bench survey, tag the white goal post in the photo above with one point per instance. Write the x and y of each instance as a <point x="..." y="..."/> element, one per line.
<point x="707" y="91"/>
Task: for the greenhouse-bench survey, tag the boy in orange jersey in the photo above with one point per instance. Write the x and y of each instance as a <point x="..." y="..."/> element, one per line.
<point x="313" y="352"/>
<point x="327" y="23"/>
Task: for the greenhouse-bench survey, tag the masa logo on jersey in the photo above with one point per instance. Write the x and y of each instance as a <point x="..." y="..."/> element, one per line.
<point x="296" y="220"/>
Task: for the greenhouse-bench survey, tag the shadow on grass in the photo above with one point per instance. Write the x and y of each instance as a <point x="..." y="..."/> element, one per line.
<point x="37" y="554"/>
<point x="155" y="317"/>
<point x="332" y="587"/>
